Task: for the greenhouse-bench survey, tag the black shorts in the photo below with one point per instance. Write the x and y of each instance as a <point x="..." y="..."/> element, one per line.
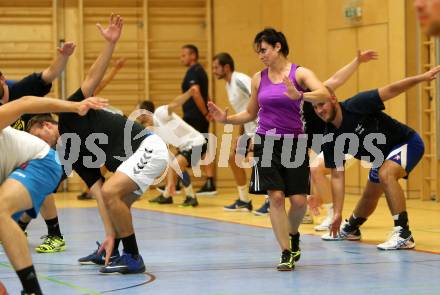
<point x="194" y="155"/>
<point x="243" y="145"/>
<point x="277" y="171"/>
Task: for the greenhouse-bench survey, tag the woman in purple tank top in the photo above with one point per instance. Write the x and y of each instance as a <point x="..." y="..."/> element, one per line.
<point x="280" y="149"/>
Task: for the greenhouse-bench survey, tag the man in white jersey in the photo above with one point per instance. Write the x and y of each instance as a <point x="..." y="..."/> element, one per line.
<point x="190" y="143"/>
<point x="238" y="88"/>
<point x="29" y="172"/>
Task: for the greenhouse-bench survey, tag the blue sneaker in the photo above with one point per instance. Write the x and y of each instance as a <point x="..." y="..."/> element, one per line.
<point x="239" y="205"/>
<point x="264" y="209"/>
<point x="125" y="264"/>
<point x="94" y="258"/>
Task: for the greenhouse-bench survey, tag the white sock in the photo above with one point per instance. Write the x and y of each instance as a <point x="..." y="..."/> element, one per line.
<point x="266" y="198"/>
<point x="189" y="191"/>
<point x="166" y="193"/>
<point x="329" y="208"/>
<point x="396" y="217"/>
<point x="242" y="193"/>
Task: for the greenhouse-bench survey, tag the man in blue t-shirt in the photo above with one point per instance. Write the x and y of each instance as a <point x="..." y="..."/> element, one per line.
<point x="358" y="127"/>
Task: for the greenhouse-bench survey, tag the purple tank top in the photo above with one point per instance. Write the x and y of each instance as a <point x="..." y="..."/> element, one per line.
<point x="277" y="111"/>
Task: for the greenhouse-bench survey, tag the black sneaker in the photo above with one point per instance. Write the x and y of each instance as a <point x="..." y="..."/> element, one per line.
<point x="287" y="263"/>
<point x="295" y="245"/>
<point x="161" y="188"/>
<point x="208" y="189"/>
<point x="239" y="205"/>
<point x="161" y="200"/>
<point x="190" y="202"/>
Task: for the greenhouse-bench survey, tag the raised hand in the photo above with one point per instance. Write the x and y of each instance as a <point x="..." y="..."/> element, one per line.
<point x="217" y="113"/>
<point x="113" y="30"/>
<point x="431" y="74"/>
<point x="67" y="49"/>
<point x="120" y="62"/>
<point x="292" y="92"/>
<point x="366" y="56"/>
<point x="94" y="103"/>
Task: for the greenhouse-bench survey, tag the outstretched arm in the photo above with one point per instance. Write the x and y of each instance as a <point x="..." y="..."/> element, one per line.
<point x="58" y="65"/>
<point x="110" y="233"/>
<point x="338" y="191"/>
<point x="248" y="115"/>
<point x="11" y="111"/>
<point x="344" y="73"/>
<point x="180" y="100"/>
<point x="96" y="72"/>
<point x="394" y="89"/>
<point x="117" y="66"/>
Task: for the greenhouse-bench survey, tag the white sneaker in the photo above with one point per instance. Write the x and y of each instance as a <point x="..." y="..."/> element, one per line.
<point x="396" y="242"/>
<point x="325" y="224"/>
<point x="344" y="234"/>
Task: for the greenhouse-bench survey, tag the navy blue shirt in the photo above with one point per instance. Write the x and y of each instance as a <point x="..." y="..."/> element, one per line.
<point x="361" y="117"/>
<point x="30" y="85"/>
<point x="195" y="75"/>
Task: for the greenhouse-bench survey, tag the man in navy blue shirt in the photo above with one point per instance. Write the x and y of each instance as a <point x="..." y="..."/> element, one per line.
<point x="358" y="127"/>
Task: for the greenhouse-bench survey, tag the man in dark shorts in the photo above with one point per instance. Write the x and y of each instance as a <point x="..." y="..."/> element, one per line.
<point x="393" y="148"/>
<point x="135" y="155"/>
<point x="195" y="111"/>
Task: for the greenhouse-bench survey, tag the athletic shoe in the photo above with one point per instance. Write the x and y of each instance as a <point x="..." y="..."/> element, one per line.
<point x="125" y="264"/>
<point x="287" y="262"/>
<point x="263" y="210"/>
<point x="397" y="242"/>
<point x="160" y="199"/>
<point x="190" y="202"/>
<point x="307" y="219"/>
<point x="161" y="189"/>
<point x="96" y="258"/>
<point x="51" y="244"/>
<point x="325" y="224"/>
<point x="85" y="196"/>
<point x="208" y="189"/>
<point x="239" y="205"/>
<point x="345" y="233"/>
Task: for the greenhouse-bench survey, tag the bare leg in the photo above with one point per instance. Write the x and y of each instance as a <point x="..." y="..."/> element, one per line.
<point x="278" y="218"/>
<point x="296" y="212"/>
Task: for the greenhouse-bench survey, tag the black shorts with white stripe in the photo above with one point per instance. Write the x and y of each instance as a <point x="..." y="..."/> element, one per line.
<point x="282" y="165"/>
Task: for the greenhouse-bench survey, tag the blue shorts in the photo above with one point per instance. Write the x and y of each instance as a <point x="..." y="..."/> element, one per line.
<point x="406" y="154"/>
<point x="40" y="177"/>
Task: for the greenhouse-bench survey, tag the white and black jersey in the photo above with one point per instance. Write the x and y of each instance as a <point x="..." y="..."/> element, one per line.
<point x="99" y="129"/>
